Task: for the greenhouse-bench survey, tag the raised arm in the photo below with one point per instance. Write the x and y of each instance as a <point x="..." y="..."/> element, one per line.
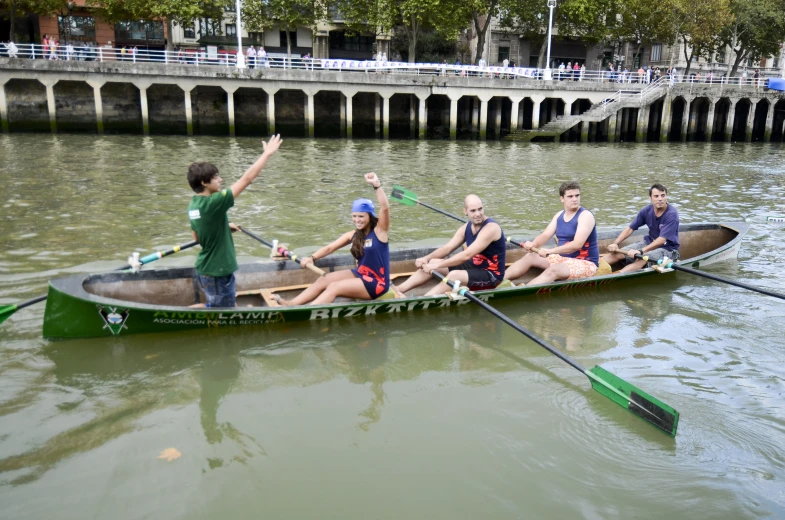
<point x="256" y="168"/>
<point x="383" y="226"/>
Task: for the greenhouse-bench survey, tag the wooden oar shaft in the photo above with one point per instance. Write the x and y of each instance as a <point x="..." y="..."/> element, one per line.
<point x="284" y="252"/>
<point x="714" y="277"/>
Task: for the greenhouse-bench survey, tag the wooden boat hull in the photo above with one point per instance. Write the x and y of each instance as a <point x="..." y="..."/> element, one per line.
<point x="124" y="303"/>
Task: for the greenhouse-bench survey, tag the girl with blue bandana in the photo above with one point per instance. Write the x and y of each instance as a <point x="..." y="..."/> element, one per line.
<point x="369" y="246"/>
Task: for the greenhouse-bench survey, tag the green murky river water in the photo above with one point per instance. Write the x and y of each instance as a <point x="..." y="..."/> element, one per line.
<point x="448" y="414"/>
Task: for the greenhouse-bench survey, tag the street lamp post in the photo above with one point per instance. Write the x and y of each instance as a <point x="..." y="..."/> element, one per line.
<point x="547" y="72"/>
<point x="239" y="26"/>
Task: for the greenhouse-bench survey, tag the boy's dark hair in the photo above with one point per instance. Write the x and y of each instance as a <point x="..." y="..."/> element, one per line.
<point x="200" y="172"/>
<point x="658" y="186"/>
<point x="570" y="185"/>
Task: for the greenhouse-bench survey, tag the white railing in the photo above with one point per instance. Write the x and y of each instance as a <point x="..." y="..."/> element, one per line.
<point x="200" y="57"/>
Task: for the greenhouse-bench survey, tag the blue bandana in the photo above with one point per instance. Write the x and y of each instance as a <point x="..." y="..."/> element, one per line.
<point x="363" y="205"/>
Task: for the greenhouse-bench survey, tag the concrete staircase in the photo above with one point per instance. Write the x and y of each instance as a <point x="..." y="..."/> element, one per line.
<point x="597" y="113"/>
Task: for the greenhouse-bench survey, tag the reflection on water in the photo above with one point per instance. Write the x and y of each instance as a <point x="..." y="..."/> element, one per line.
<point x="452" y="409"/>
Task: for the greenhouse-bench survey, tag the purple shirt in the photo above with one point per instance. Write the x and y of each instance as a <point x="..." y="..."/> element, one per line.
<point x="666" y="226"/>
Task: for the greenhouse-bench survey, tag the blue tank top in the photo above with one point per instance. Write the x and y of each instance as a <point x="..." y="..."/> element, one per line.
<point x="493" y="257"/>
<point x="373" y="267"/>
<point x="565" y="232"/>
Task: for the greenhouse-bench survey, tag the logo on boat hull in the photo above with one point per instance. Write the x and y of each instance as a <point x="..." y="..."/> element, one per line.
<point x="114" y="318"/>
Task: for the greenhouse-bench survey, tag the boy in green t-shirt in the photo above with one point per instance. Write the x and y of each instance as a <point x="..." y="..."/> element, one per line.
<point x="216" y="263"/>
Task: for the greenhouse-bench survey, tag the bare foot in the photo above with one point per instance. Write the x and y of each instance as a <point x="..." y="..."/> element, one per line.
<point x="398" y="294"/>
<point x="281" y="301"/>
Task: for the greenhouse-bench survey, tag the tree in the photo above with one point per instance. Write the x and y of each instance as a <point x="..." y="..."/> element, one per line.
<point x="182" y="12"/>
<point x="39" y="7"/>
<point x="701" y="24"/>
<point x="259" y="15"/>
<point x="756" y="30"/>
<point x="646" y="22"/>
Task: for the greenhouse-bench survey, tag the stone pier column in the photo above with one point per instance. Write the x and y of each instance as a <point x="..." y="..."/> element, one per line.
<point x="612" y="128"/>
<point x="349" y="114"/>
<point x="498" y="121"/>
<point x="750" y="122"/>
<point x="693" y="126"/>
<point x="537" y="102"/>
<point x="475" y="116"/>
<point x="189" y="113"/>
<point x="769" y="128"/>
<point x="377" y="115"/>
<point x="554" y="109"/>
<point x="730" y="120"/>
<point x="50" y="103"/>
<point x="483" y="118"/>
<point x="342" y="111"/>
<point x="145" y="108"/>
<point x="271" y="110"/>
<point x="309" y="119"/>
<point x="423" y="118"/>
<point x="625" y="123"/>
<point x="665" y="126"/>
<point x="454" y="118"/>
<point x="585" y="131"/>
<point x="230" y="108"/>
<point x="412" y="117"/>
<point x="568" y="107"/>
<point x="99" y="106"/>
<point x="386" y="116"/>
<point x="685" y="119"/>
<point x="3" y="106"/>
<point x="515" y="116"/>
<point x="592" y="131"/>
<point x="710" y="120"/>
<point x="642" y="127"/>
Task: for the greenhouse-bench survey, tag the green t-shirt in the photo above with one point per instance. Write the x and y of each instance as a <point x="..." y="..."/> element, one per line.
<point x="211" y="225"/>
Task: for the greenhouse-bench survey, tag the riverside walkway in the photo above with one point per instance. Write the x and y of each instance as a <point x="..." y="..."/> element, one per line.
<point x="405" y="102"/>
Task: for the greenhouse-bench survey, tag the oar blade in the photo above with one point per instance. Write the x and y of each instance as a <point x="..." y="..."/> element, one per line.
<point x="404" y="196"/>
<point x="648" y="408"/>
<point x="6" y="311"/>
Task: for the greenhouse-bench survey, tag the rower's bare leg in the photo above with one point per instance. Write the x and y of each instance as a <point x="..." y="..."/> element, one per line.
<point x="522" y="266"/>
<point x="443" y="288"/>
<point x="354" y="288"/>
<point x="612" y="258"/>
<point x="316" y="288"/>
<point x="636" y="265"/>
<point x="552" y="273"/>
<point x="415" y="280"/>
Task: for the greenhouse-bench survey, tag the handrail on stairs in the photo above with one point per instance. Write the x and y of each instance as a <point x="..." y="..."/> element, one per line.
<point x="642" y="94"/>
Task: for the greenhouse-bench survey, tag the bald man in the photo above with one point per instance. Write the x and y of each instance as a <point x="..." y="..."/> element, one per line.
<point x="480" y="266"/>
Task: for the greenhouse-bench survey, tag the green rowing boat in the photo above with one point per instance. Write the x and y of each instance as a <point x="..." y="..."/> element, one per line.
<point x="121" y="303"/>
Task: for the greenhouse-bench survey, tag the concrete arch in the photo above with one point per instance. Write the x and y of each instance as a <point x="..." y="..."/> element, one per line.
<point x="250" y="112"/>
<point x="327" y="109"/>
<point x="679" y="117"/>
<point x="743" y="112"/>
<point x="778" y="122"/>
<point x="122" y="108"/>
<point x="210" y="110"/>
<point x="758" y="130"/>
<point x="166" y="108"/>
<point x="699" y="119"/>
<point x="27" y="106"/>
<point x="722" y="118"/>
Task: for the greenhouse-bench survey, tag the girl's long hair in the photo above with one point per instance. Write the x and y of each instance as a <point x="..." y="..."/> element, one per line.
<point x="358" y="239"/>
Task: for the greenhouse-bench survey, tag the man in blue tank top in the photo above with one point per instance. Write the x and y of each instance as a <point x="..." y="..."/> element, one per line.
<point x="662" y="219"/>
<point x="480" y="266"/>
<point x="576" y="254"/>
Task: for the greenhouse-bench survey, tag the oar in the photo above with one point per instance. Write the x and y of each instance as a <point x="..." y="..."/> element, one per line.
<point x="8" y="310"/>
<point x="668" y="264"/>
<point x="408" y="198"/>
<point x="640" y="403"/>
<point x="284" y="252"/>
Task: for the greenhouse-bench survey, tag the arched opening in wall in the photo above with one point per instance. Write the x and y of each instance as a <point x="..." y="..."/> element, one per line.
<point x="699" y="116"/>
<point x="290" y="118"/>
<point x="721" y="113"/>
<point x="468" y="117"/>
<point x="166" y="109"/>
<point x="579" y="106"/>
<point x="677" y="117"/>
<point x="403" y="116"/>
<point x="210" y="110"/>
<point x="122" y="108"/>
<point x="629" y="124"/>
<point x="438" y="116"/>
<point x="527" y="107"/>
<point x="27" y="107"/>
<point x="499" y="109"/>
<point x="655" y="120"/>
<point x="75" y="107"/>
<point x="759" y="125"/>
<point x="366" y="115"/>
<point x="778" y="127"/>
<point x="743" y="107"/>
<point x="250" y="112"/>
<point x="327" y="113"/>
<point x="550" y="109"/>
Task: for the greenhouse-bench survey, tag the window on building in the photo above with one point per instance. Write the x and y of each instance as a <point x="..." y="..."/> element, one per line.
<point x="256" y="36"/>
<point x="776" y="63"/>
<point x="189" y="32"/>
<point x="231" y="29"/>
<point x="656" y="52"/>
<point x="139" y="30"/>
<point x="339" y="40"/>
<point x="76" y="28"/>
<point x="208" y="27"/>
<point x="721" y="56"/>
<point x="292" y="35"/>
<point x="504" y="54"/>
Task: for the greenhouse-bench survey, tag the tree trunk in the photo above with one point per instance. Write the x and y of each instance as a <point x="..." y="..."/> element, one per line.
<point x="688" y="58"/>
<point x="639" y="53"/>
<point x="413" y="32"/>
<point x="541" y="57"/>
<point x="482" y="31"/>
<point x="739" y="58"/>
<point x="169" y="43"/>
<point x="12" y="21"/>
<point x="289" y="46"/>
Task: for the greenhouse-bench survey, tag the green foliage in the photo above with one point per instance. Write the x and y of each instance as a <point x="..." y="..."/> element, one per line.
<point x="431" y="47"/>
<point x="177" y="11"/>
<point x="701" y="22"/>
<point x="757" y="28"/>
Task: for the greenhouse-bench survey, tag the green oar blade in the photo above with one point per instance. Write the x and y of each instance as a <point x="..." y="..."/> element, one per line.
<point x="404" y="196"/>
<point x="6" y="311"/>
<point x="635" y="400"/>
